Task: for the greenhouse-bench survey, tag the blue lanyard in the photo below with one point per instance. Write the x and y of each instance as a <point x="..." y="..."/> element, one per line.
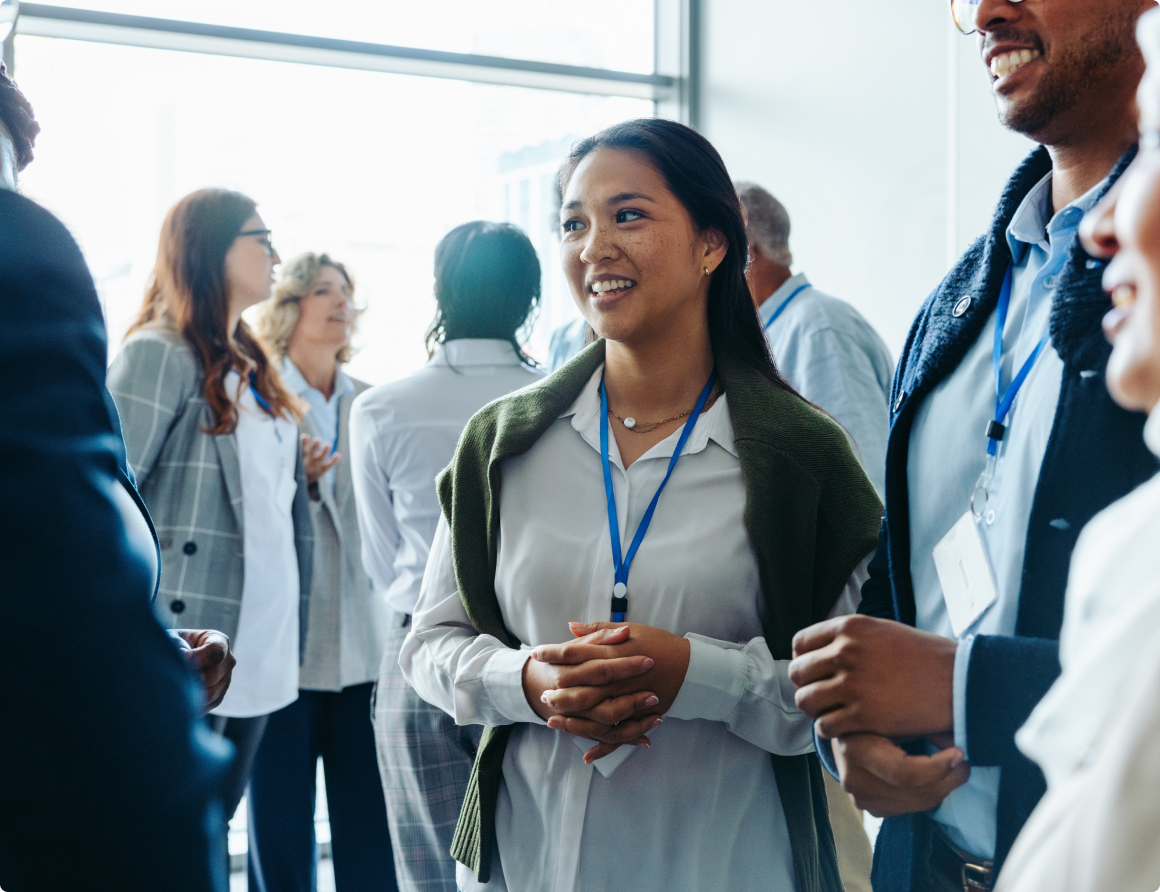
<point x="265" y="405"/>
<point x="1003" y="399"/>
<point x="784" y="304"/>
<point x="621" y="565"/>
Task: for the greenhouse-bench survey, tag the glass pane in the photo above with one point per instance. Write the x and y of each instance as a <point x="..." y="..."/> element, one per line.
<point x="514" y="29"/>
<point x="373" y="168"/>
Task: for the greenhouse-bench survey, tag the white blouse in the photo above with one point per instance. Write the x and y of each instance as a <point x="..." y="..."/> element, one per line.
<point x="1095" y="732"/>
<point x="266" y="645"/>
<point x="698" y="810"/>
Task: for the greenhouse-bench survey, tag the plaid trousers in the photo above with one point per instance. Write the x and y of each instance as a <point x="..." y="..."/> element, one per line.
<point x="425" y="761"/>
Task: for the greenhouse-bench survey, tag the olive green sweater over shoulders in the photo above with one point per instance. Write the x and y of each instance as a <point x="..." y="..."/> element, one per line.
<point x="812" y="517"/>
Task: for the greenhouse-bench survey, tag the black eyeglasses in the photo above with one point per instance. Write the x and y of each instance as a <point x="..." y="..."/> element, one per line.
<point x="263" y="237"/>
<point x="966" y="14"/>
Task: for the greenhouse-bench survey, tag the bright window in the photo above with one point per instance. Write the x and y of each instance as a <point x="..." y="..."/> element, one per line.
<point x="615" y="34"/>
<point x="373" y="168"/>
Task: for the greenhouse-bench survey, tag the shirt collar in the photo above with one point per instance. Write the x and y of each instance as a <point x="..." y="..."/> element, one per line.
<point x="474" y="352"/>
<point x="716" y="424"/>
<point x="296" y="381"/>
<point x="1033" y="223"/>
<point x="770" y="304"/>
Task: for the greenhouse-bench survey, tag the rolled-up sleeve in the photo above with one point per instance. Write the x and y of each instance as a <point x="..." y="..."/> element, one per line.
<point x="476" y="679"/>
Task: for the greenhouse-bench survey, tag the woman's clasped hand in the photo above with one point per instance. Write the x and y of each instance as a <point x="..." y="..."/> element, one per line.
<point x="611" y="684"/>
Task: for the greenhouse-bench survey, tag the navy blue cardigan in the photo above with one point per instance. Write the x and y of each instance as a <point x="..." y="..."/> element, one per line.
<point x="1095" y="455"/>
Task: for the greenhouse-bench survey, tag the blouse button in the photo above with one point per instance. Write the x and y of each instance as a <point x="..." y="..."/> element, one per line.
<point x="189" y="547"/>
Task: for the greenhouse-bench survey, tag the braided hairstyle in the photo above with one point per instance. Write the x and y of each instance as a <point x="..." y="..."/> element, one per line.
<point x="17" y="115"/>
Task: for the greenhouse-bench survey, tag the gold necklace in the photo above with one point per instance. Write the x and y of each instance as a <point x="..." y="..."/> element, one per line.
<point x="637" y="427"/>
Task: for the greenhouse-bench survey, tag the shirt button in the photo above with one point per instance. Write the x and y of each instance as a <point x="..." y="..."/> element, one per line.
<point x="1049" y="282"/>
<point x="189" y="548"/>
<point x="990" y="517"/>
<point x="177" y="606"/>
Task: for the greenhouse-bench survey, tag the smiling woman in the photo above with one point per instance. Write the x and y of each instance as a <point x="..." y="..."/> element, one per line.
<point x="717" y="504"/>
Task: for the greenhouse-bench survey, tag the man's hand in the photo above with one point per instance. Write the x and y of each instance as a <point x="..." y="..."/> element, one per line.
<point x="858" y="674"/>
<point x="210" y="655"/>
<point x="886" y="781"/>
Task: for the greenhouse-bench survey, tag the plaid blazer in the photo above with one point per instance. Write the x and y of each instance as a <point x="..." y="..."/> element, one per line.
<point x="349" y="621"/>
<point x="191" y="482"/>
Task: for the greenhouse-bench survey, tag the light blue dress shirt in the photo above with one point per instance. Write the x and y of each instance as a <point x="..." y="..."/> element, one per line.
<point x="567" y="341"/>
<point x="836" y="360"/>
<point x="948" y="450"/>
<point x="323" y="411"/>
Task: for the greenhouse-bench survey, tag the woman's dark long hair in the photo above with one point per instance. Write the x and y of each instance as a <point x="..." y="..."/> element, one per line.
<point x="188" y="292"/>
<point x="487" y="284"/>
<point x="696" y="175"/>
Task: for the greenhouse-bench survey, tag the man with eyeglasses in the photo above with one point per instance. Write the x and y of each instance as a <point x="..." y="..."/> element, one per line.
<point x="1003" y="444"/>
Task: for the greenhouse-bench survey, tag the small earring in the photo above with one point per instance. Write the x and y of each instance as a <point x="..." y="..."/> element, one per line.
<point x="707" y="271"/>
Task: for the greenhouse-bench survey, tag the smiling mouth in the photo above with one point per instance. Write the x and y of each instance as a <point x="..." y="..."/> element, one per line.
<point x="610" y="286"/>
<point x="1008" y="63"/>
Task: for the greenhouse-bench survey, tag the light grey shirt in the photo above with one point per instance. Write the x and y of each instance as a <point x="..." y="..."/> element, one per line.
<point x="948" y="450"/>
<point x="836" y="360"/>
<point x="402" y="435"/>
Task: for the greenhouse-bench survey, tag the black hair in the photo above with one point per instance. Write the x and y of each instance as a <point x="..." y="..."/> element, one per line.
<point x="17" y="115"/>
<point x="487" y="284"/>
<point x="696" y="175"/>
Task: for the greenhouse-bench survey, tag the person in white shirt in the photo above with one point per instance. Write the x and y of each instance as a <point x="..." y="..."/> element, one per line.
<point x="661" y="751"/>
<point x="1095" y="733"/>
<point x="487" y="285"/>
<point x="212" y="435"/>
<point x="307" y="327"/>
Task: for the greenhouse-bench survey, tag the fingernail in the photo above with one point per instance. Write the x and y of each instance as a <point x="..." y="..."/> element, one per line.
<point x="658" y="722"/>
<point x="956" y="761"/>
<point x="647" y="744"/>
<point x="648" y="662"/>
<point x="544" y="697"/>
<point x="553" y="724"/>
<point x="651" y="701"/>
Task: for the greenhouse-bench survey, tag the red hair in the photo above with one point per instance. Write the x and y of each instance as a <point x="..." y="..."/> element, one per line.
<point x="188" y="292"/>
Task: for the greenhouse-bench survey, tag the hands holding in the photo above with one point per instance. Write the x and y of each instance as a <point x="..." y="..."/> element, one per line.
<point x="610" y="685"/>
<point x="210" y="656"/>
<point x="869" y="683"/>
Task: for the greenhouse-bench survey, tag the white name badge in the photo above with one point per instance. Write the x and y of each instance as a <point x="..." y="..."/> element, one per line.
<point x="968" y="583"/>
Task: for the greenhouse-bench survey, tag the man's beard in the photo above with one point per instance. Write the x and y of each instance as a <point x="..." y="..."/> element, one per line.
<point x="1072" y="71"/>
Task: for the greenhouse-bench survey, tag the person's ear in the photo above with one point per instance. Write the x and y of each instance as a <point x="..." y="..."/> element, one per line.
<point x="716" y="247"/>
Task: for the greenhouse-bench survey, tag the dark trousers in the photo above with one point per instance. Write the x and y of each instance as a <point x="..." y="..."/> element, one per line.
<point x="337" y="727"/>
<point x="246" y="736"/>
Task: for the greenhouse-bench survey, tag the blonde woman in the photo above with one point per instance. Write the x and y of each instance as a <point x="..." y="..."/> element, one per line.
<point x="307" y="328"/>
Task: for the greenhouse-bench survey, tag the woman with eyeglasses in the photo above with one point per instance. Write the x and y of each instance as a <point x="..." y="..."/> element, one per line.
<point x="212" y="436"/>
<point x="667" y="479"/>
<point x="307" y="328"/>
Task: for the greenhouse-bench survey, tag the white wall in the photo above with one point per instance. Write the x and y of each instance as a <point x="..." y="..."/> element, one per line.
<point x="853" y="114"/>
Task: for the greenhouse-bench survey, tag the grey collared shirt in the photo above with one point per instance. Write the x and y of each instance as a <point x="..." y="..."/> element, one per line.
<point x="948" y="450"/>
<point x="323" y="411"/>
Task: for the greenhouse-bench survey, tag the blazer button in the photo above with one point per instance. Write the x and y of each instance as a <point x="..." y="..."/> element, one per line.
<point x="898" y="402"/>
<point x="961" y="307"/>
<point x="189" y="547"/>
<point x="177" y="606"/>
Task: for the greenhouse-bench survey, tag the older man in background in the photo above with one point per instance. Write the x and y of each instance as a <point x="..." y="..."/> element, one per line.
<point x="827" y="350"/>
